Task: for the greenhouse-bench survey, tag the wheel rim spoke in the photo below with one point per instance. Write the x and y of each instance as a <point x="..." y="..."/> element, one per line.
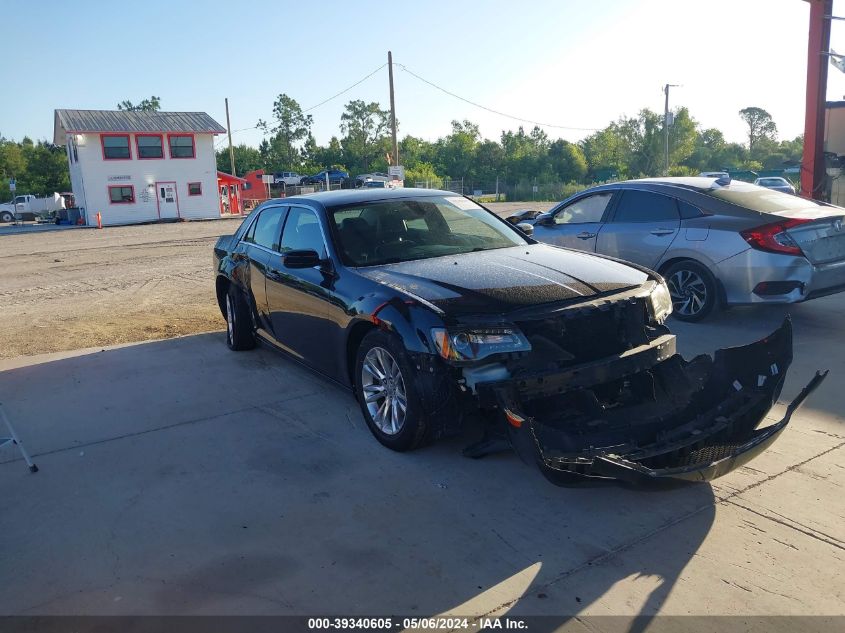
<point x="383" y="389"/>
<point x="688" y="292"/>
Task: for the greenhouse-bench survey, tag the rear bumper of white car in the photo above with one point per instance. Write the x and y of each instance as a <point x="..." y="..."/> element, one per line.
<point x="754" y="276"/>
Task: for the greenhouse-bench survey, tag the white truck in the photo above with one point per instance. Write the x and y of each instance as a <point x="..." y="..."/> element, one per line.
<point x="29" y="207"/>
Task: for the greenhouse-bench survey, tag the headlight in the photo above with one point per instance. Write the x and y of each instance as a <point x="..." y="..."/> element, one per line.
<point x="475" y="344"/>
<point x="660" y="302"/>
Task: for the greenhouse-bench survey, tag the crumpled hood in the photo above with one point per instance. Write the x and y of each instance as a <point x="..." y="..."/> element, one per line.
<point x="500" y="280"/>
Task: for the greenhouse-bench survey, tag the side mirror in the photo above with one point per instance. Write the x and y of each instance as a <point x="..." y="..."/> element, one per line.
<point x="301" y="259"/>
<point x="545" y="219"/>
<point x="526" y="228"/>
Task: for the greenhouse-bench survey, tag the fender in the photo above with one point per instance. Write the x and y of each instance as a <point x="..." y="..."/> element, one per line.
<point x="409" y="319"/>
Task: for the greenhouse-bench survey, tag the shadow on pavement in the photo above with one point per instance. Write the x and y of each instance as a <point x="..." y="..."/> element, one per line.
<point x="180" y="478"/>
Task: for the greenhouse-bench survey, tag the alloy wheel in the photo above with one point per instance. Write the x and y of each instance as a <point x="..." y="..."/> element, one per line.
<point x="384" y="390"/>
<point x="688" y="292"/>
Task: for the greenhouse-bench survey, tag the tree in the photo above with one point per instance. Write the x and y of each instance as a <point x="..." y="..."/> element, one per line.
<point x="606" y="151"/>
<point x="39" y="168"/>
<point x="246" y="159"/>
<point x="365" y="142"/>
<point x="456" y="152"/>
<point x="291" y="127"/>
<point x="567" y="161"/>
<point x="760" y="126"/>
<point x="153" y="104"/>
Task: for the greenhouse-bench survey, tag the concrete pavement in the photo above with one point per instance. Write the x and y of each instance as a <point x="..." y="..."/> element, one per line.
<point x="180" y="478"/>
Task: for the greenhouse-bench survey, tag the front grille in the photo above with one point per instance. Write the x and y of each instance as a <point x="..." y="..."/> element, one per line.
<point x="595" y="332"/>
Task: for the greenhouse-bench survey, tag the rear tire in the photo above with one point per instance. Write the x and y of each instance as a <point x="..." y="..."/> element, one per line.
<point x="693" y="288"/>
<point x="239" y="333"/>
<point x="385" y="377"/>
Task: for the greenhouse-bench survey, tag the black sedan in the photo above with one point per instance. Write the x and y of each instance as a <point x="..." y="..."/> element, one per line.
<point x="434" y="310"/>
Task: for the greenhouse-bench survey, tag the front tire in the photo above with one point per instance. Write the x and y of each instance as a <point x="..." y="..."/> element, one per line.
<point x="385" y="389"/>
<point x="693" y="289"/>
<point x="6" y="217"/>
<point x="239" y="334"/>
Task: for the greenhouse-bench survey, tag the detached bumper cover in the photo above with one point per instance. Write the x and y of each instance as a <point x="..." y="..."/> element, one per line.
<point x="665" y="418"/>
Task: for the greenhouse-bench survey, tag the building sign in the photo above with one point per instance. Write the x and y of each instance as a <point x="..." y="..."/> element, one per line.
<point x="12" y="184"/>
<point x="268" y="179"/>
<point x="119" y="178"/>
<point x="396" y="172"/>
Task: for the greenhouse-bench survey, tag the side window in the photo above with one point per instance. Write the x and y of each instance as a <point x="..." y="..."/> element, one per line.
<point x="644" y="206"/>
<point x="689" y="211"/>
<point x="266" y="229"/>
<point x="589" y="209"/>
<point x="302" y="232"/>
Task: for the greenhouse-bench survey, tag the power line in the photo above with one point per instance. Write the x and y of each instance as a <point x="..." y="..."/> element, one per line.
<point x="360" y="81"/>
<point x="483" y="107"/>
<point x="314" y="107"/>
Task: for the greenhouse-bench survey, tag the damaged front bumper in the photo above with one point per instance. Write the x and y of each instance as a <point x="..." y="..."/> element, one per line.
<point x="648" y="414"/>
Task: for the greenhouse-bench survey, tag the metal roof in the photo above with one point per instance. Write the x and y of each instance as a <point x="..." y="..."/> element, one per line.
<point x="132" y="121"/>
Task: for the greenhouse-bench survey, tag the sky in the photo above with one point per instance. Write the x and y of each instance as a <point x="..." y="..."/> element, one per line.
<point x="570" y="64"/>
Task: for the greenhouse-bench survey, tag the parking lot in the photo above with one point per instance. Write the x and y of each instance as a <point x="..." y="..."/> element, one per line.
<point x="177" y="477"/>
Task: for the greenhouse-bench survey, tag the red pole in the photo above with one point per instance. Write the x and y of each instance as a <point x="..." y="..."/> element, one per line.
<point x="99" y="220"/>
<point x="812" y="163"/>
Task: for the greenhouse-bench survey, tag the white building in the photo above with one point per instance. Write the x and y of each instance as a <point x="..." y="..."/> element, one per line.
<point x="140" y="166"/>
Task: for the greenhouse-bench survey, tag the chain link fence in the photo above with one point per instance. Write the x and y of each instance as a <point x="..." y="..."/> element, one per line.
<point x="500" y="190"/>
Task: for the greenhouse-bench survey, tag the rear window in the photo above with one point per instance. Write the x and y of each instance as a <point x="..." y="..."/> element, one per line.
<point x="760" y="199"/>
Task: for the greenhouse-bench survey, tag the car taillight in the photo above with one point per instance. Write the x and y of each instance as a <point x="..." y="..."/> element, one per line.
<point x="774" y="238"/>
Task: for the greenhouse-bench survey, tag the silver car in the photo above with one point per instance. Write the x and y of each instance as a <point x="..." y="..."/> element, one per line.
<point x="716" y="242"/>
<point x="776" y="183"/>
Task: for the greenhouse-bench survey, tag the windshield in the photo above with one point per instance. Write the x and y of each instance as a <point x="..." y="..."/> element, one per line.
<point x="400" y="230"/>
<point x="760" y="199"/>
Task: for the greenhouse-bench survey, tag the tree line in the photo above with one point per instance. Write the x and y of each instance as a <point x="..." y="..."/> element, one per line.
<point x="630" y="147"/>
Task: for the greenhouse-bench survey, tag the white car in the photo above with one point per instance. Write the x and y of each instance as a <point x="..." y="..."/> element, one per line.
<point x="777" y="183"/>
<point x="288" y="178"/>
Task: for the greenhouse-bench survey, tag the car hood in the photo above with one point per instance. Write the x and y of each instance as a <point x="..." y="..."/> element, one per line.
<point x="501" y="280"/>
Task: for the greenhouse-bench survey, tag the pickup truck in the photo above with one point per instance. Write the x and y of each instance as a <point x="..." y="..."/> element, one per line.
<point x="29" y="207"/>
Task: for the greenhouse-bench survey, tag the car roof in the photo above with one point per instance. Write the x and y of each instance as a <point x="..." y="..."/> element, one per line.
<point x="356" y="196"/>
<point x="688" y="183"/>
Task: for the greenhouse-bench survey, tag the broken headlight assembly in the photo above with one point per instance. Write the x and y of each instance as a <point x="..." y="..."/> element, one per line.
<point x="660" y="302"/>
<point x="474" y="344"/>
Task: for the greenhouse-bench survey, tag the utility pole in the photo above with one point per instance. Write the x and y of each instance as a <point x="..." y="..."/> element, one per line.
<point x="666" y="126"/>
<point x="229" y="130"/>
<point x="392" y="109"/>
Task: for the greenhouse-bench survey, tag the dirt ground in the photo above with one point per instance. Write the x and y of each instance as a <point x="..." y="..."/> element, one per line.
<point x="63" y="290"/>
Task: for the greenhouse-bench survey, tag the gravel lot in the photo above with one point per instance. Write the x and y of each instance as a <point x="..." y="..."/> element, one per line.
<point x="64" y="290"/>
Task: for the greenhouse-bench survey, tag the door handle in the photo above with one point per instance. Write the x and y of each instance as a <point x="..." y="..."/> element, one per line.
<point x="274" y="274"/>
<point x="585" y="235"/>
<point x="662" y="231"/>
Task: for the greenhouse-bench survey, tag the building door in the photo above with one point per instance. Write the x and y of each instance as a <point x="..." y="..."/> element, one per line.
<point x="168" y="200"/>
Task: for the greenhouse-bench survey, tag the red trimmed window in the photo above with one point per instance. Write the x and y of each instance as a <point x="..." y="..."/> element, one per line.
<point x="181" y="145"/>
<point x="149" y="146"/>
<point x="116" y="146"/>
<point x="194" y="188"/>
<point x="122" y="194"/>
